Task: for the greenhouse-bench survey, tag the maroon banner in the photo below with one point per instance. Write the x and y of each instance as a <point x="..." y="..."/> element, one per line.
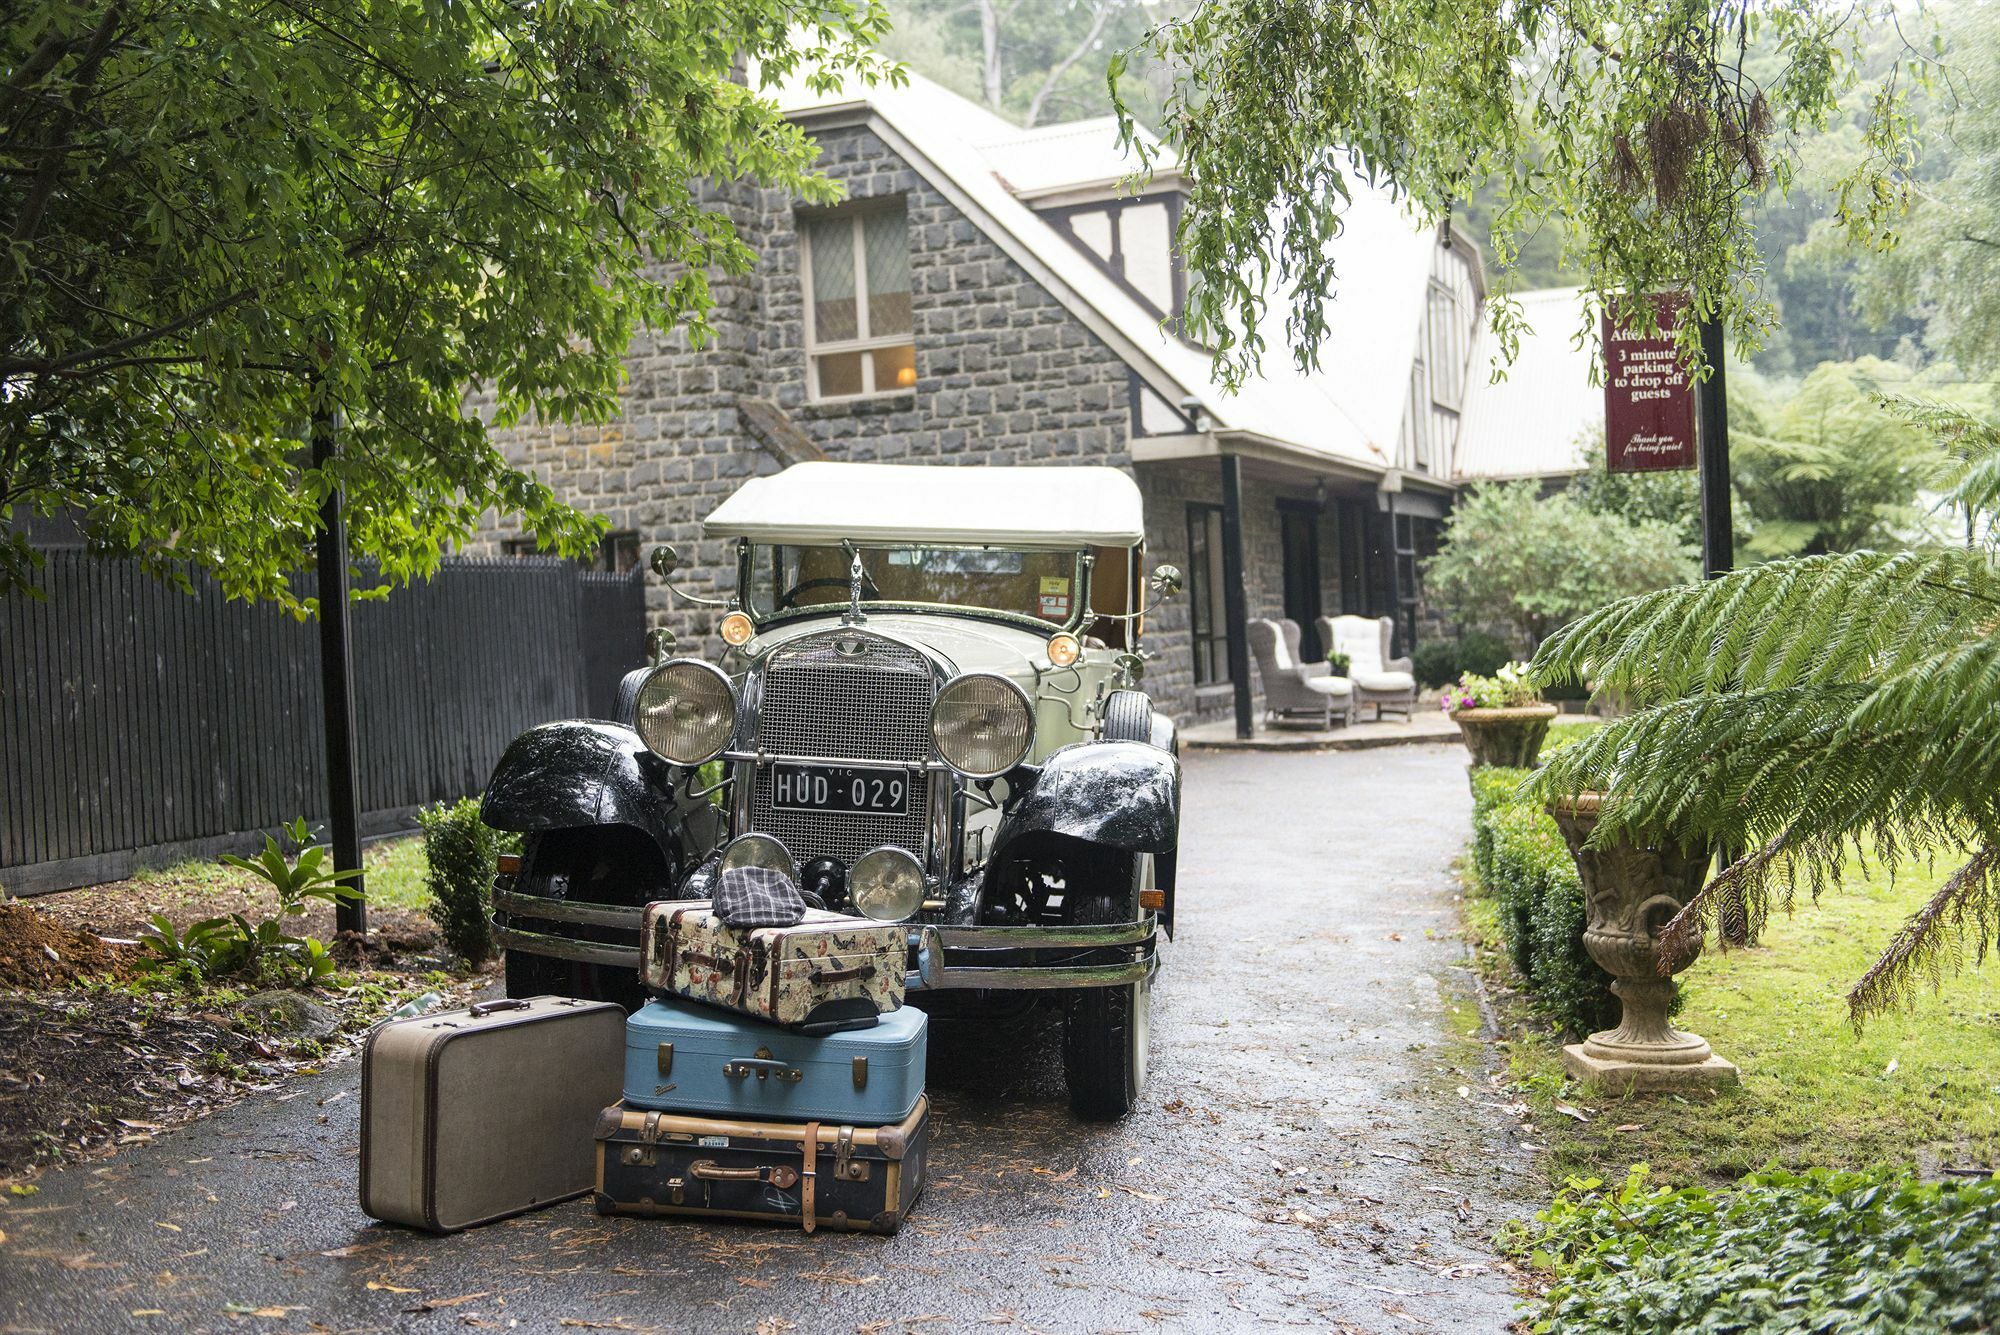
<point x="1648" y="396"/>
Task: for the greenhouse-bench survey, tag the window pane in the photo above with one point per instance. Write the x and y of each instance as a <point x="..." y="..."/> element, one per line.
<point x="895" y="368"/>
<point x="839" y="373"/>
<point x="1146" y="231"/>
<point x="831" y="242"/>
<point x="886" y="238"/>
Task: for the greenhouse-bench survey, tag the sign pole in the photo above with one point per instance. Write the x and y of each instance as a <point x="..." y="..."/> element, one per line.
<point x="336" y="681"/>
<point x="1718" y="538"/>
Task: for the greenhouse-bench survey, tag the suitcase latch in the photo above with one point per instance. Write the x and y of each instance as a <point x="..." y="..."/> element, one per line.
<point x="676" y="1190"/>
<point x="638" y="1156"/>
<point x="763" y="1066"/>
<point x="846" y="1168"/>
<point x="861" y="1073"/>
<point x="666" y="1059"/>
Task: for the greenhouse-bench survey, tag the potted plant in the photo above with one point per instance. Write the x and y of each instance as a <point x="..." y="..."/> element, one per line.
<point x="1501" y="717"/>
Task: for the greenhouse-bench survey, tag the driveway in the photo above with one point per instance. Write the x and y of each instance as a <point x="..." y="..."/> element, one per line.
<point x="1319" y="1146"/>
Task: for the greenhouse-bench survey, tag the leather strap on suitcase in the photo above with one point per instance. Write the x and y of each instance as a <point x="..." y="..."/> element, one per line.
<point x="811" y="1176"/>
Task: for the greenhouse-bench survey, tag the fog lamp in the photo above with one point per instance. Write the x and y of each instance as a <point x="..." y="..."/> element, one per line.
<point x="1064" y="649"/>
<point x="737" y="629"/>
<point x="887" y="884"/>
<point x="758" y="850"/>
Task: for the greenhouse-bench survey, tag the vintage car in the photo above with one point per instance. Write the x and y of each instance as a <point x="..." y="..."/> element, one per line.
<point x="926" y="709"/>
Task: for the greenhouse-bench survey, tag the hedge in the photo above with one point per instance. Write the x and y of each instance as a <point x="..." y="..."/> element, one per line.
<point x="1520" y="861"/>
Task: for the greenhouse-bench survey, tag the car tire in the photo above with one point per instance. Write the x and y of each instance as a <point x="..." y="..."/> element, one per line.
<point x="1107" y="1030"/>
<point x="608" y="865"/>
<point x="1128" y="717"/>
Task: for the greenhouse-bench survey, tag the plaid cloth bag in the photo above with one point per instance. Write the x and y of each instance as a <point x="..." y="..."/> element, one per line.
<point x="759" y="897"/>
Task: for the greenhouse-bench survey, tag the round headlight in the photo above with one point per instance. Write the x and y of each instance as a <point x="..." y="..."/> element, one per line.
<point x="887" y="884"/>
<point x="757" y="850"/>
<point x="736" y="630"/>
<point x="1064" y="649"/>
<point x="982" y="724"/>
<point x="686" y="711"/>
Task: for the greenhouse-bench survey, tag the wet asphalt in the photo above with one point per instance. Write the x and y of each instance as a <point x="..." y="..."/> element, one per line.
<point x="1304" y="1155"/>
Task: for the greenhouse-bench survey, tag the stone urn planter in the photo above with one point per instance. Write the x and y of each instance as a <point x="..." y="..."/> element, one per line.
<point x="1630" y="892"/>
<point x="1507" y="736"/>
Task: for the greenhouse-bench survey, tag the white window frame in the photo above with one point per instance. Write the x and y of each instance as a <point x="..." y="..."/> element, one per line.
<point x="863" y="342"/>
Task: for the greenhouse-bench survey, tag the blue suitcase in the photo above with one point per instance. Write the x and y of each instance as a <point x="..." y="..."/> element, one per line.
<point x="683" y="1058"/>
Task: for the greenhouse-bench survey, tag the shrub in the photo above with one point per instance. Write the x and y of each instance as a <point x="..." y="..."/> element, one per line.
<point x="1818" y="1251"/>
<point x="1481" y="653"/>
<point x="461" y="851"/>
<point x="1436" y="662"/>
<point x="1522" y="862"/>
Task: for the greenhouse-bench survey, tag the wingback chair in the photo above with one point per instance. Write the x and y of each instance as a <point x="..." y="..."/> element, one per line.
<point x="1379" y="680"/>
<point x="1295" y="690"/>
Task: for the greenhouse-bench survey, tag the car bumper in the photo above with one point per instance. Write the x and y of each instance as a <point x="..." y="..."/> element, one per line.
<point x="941" y="958"/>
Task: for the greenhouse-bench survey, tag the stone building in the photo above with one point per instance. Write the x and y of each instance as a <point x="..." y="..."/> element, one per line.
<point x="992" y="295"/>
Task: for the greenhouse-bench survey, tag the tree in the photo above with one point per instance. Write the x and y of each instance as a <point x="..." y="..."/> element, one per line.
<point x="1535" y="562"/>
<point x="1826" y="469"/>
<point x="1669" y="498"/>
<point x="1031" y="61"/>
<point x="222" y="221"/>
<point x="1948" y="267"/>
<point x="1806" y="710"/>
<point x="1635" y="131"/>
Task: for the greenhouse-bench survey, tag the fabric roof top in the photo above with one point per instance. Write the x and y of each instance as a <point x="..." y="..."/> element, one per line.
<point x="1053" y="507"/>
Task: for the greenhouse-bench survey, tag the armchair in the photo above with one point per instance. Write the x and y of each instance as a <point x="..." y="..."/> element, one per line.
<point x="1379" y="680"/>
<point x="1295" y="690"/>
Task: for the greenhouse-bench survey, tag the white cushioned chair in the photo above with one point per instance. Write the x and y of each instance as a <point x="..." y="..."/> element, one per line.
<point x="1379" y="680"/>
<point x="1295" y="690"/>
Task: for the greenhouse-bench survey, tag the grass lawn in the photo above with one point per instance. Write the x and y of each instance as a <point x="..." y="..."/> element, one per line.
<point x="1919" y="1089"/>
<point x="395" y="874"/>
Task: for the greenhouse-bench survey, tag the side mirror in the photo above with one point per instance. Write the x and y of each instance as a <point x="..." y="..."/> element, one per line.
<point x="660" y="643"/>
<point x="665" y="561"/>
<point x="1166" y="580"/>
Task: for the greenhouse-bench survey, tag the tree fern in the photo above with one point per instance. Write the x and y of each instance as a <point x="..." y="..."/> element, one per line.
<point x="1812" y="711"/>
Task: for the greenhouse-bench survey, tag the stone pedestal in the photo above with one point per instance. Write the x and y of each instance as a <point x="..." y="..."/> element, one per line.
<point x="1630" y="892"/>
<point x="1511" y="736"/>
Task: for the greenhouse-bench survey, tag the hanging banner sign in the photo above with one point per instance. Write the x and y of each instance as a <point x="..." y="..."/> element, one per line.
<point x="1648" y="396"/>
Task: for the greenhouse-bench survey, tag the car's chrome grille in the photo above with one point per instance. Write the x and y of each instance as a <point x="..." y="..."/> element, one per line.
<point x="870" y="705"/>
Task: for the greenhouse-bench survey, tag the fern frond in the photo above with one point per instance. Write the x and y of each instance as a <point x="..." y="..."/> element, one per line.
<point x="1972" y="442"/>
<point x="1966" y="908"/>
<point x="1812" y="621"/>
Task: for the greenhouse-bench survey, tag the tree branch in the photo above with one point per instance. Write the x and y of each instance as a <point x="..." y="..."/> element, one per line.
<point x="1082" y="49"/>
<point x="29" y="219"/>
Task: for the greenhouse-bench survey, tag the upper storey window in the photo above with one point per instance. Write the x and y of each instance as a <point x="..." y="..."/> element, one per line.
<point x="857" y="284"/>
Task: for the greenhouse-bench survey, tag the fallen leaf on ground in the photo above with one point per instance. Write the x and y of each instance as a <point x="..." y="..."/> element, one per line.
<point x="148" y="1311"/>
<point x="389" y="1288"/>
<point x="1142" y="1195"/>
<point x="433" y="1304"/>
<point x="1568" y="1111"/>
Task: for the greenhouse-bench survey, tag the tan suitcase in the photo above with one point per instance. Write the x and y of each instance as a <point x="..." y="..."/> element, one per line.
<point x="472" y="1115"/>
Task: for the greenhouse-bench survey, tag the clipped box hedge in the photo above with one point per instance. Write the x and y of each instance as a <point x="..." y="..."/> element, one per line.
<point x="1520" y="860"/>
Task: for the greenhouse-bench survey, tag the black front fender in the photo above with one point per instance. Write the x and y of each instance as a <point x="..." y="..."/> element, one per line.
<point x="579" y="773"/>
<point x="1124" y="795"/>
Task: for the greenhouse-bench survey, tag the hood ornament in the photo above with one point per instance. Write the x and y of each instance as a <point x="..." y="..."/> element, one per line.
<point x="856" y="576"/>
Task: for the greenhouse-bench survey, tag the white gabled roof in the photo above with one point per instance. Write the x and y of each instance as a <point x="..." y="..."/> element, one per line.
<point x="962" y="506"/>
<point x="1540" y="420"/>
<point x="1349" y="411"/>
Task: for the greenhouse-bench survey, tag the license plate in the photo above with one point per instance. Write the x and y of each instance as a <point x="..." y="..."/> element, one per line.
<point x="846" y="789"/>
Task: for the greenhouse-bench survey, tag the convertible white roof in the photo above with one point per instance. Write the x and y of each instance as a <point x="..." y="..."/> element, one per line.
<point x="1059" y="506"/>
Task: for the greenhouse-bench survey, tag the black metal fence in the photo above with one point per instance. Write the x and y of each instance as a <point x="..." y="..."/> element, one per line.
<point x="139" y="724"/>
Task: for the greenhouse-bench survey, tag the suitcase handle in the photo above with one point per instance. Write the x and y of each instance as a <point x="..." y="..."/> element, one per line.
<point x="844" y="975"/>
<point x="481" y="1009"/>
<point x="719" y="963"/>
<point x="781" y="1176"/>
<point x="763" y="1068"/>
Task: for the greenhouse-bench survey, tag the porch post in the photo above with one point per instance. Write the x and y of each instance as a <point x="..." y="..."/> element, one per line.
<point x="1235" y="608"/>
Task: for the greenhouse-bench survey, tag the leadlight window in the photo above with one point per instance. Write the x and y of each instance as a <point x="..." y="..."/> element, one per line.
<point x="1207" y="623"/>
<point x="857" y="285"/>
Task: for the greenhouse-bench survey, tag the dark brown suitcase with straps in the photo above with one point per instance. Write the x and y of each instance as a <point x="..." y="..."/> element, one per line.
<point x="861" y="1179"/>
<point x="468" y="1116"/>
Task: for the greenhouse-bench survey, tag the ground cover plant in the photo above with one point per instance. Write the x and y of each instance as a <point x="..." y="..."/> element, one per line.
<point x="1818" y="1251"/>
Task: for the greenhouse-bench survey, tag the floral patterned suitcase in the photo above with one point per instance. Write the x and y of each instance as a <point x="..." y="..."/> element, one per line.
<point x="825" y="973"/>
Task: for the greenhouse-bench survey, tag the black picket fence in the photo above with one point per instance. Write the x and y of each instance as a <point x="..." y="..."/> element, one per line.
<point x="139" y="724"/>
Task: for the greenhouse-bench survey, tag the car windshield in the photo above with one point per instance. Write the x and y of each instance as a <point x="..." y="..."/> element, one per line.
<point x="1039" y="584"/>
